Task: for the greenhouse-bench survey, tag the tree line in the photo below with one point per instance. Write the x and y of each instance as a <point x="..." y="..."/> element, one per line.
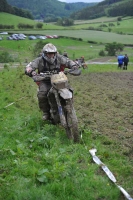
<point x="49" y="10"/>
<point x="22" y="26"/>
<point x="5" y="7"/>
<point x="124" y="9"/>
<point x="109" y="8"/>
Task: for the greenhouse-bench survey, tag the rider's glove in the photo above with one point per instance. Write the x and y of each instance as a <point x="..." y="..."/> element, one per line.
<point x="28" y="70"/>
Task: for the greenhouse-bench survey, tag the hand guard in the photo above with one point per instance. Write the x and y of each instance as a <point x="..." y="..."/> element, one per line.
<point x="38" y="78"/>
<point x="74" y="72"/>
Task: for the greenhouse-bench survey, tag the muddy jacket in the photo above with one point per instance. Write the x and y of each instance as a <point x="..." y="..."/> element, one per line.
<point x="43" y="65"/>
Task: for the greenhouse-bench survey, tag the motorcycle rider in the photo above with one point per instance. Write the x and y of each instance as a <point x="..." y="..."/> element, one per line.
<point x="50" y="60"/>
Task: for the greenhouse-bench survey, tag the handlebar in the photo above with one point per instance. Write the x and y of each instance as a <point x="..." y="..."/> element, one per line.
<point x="43" y="76"/>
<point x="47" y="75"/>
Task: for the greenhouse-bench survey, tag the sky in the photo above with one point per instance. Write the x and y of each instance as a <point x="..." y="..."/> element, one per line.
<point x="85" y="1"/>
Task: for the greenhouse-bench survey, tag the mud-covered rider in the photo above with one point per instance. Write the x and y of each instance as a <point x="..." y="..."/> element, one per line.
<point x="49" y="61"/>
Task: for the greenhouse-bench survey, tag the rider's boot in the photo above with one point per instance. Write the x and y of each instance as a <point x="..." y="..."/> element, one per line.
<point x="46" y="116"/>
<point x="45" y="108"/>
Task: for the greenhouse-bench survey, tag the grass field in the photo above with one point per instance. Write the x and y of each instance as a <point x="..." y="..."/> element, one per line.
<point x="39" y="162"/>
<point x="9" y="19"/>
<point x="75" y="48"/>
<point x="23" y="49"/>
<point x="97" y="20"/>
<point x="76" y="30"/>
<point x="86" y="35"/>
<point x="124" y="27"/>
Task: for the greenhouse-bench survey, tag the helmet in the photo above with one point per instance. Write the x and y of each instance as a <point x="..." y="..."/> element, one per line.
<point x="49" y="48"/>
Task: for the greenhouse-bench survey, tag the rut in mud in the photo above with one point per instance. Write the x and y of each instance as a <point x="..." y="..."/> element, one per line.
<point x="104" y="103"/>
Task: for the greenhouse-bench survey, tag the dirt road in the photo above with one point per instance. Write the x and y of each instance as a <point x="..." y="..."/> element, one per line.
<point x="104" y="103"/>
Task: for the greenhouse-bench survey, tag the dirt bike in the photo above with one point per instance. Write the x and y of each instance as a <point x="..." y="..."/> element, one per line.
<point x="60" y="98"/>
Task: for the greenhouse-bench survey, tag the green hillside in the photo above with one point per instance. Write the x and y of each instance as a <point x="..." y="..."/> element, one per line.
<point x="53" y="10"/>
<point x="6" y="19"/>
<point x="107" y="24"/>
<point x="5" y="7"/>
<point x="125" y="27"/>
<point x="44" y="9"/>
<point x="108" y="8"/>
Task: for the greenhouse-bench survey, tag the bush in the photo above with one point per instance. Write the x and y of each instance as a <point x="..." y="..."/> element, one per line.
<point x="39" y="25"/>
<point x="25" y="26"/>
<point x="102" y="53"/>
<point x="5" y="57"/>
<point x="6" y="26"/>
<point x="111" y="24"/>
<point x="91" y="28"/>
<point x="103" y="25"/>
<point x="119" y="19"/>
<point x="112" y="48"/>
<point x="92" y="42"/>
<point x="6" y="67"/>
<point x="38" y="48"/>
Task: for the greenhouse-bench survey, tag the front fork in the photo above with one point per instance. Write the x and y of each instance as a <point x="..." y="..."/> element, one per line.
<point x="60" y="110"/>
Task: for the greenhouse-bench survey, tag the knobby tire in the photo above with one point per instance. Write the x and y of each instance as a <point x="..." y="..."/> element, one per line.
<point x="72" y="123"/>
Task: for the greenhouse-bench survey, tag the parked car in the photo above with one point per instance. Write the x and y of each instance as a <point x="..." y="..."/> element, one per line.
<point x="55" y="36"/>
<point x="49" y="36"/>
<point x="18" y="36"/>
<point x="9" y="38"/>
<point x="15" y="37"/>
<point x="15" y="34"/>
<point x="4" y="33"/>
<point x="22" y="35"/>
<point x="42" y="37"/>
<point x="37" y="36"/>
<point x="32" y="37"/>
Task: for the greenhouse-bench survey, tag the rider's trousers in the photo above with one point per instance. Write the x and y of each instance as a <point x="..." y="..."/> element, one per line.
<point x="44" y="87"/>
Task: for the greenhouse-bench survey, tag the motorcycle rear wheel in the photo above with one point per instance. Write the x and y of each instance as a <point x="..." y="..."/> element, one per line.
<point x="72" y="123"/>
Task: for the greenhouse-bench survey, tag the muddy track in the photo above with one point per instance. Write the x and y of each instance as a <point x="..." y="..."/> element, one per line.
<point x="104" y="103"/>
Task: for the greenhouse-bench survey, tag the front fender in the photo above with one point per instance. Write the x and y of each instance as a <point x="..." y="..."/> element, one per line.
<point x="65" y="93"/>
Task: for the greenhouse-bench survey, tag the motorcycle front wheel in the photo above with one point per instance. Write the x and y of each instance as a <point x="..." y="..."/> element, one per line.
<point x="72" y="122"/>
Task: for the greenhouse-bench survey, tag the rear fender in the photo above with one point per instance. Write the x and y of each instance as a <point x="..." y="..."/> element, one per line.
<point x="65" y="93"/>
